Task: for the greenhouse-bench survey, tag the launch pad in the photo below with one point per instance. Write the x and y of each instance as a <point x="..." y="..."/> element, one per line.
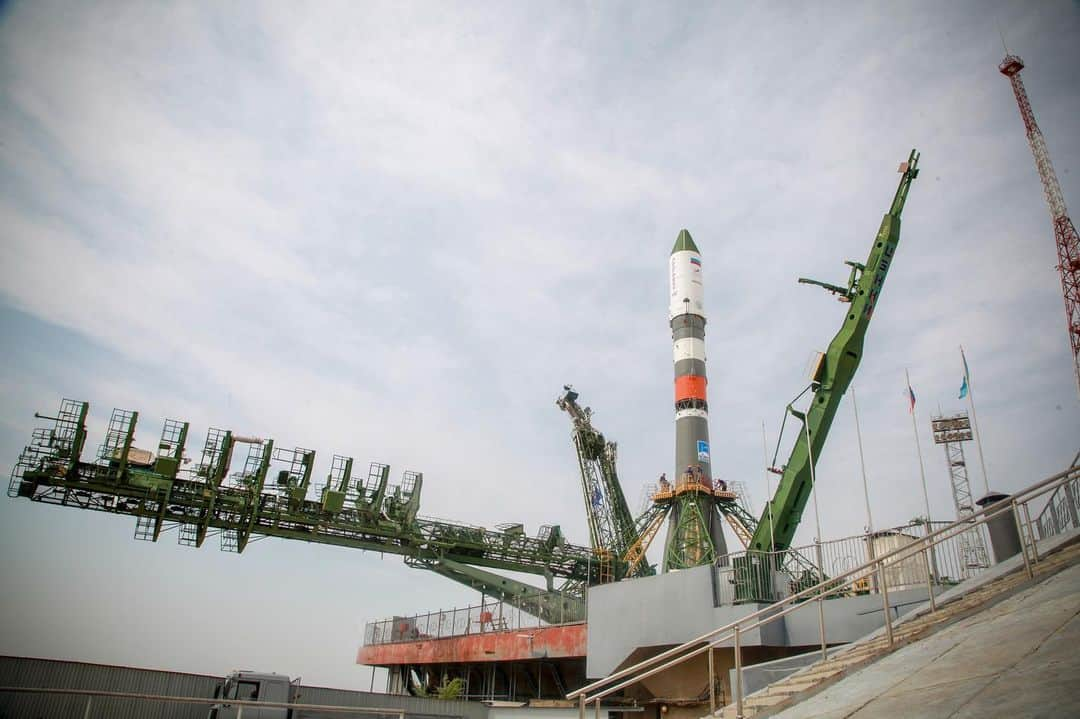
<point x="632" y="611"/>
<point x="501" y="654"/>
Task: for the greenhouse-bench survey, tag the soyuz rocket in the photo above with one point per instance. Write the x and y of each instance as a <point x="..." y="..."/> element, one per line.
<point x="686" y="311"/>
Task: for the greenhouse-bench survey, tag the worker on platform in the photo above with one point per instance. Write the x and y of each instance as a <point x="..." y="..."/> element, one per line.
<point x="687" y="477"/>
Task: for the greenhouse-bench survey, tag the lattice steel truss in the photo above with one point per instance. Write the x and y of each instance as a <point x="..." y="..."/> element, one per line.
<point x="613" y="530"/>
<point x="952" y="432"/>
<point x="269" y="497"/>
<point x="1065" y="236"/>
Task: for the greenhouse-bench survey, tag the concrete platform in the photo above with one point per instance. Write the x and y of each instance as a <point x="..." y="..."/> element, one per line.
<point x="1018" y="658"/>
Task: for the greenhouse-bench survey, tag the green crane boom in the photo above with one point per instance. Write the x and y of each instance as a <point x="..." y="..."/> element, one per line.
<point x="368" y="513"/>
<point x="833" y="374"/>
<point x="612" y="527"/>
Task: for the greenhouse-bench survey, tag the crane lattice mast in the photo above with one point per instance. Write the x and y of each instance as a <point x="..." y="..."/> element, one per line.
<point x="1065" y="236"/>
<point x="613" y="531"/>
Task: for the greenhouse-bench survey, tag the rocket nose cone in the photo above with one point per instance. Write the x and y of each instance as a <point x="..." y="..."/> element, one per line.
<point x="684" y="242"/>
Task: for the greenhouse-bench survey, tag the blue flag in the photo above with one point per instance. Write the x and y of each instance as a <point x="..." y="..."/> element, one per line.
<point x="964" y="383"/>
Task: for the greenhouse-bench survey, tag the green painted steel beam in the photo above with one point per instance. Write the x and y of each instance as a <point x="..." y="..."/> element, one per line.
<point x="833" y="375"/>
<point x="550" y="605"/>
<point x="612" y="527"/>
<point x="375" y="516"/>
<point x="689" y="541"/>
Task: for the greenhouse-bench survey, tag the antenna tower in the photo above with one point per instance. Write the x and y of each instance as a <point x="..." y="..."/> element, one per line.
<point x="1068" y="242"/>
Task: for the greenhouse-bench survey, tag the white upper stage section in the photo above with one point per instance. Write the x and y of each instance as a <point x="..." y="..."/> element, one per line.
<point x="685" y="283"/>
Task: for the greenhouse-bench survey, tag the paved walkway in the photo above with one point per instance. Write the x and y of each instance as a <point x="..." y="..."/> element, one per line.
<point x="1018" y="658"/>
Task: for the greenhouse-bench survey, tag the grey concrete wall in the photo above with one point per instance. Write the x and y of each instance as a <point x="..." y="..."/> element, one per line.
<point x="669" y="609"/>
<point x="663" y="610"/>
<point x="847" y="618"/>
<point x="759" y="676"/>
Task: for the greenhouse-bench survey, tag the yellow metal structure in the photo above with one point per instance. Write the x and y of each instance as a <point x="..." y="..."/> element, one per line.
<point x="636" y="553"/>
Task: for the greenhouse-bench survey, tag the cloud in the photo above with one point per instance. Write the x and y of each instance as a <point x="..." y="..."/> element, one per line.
<point x="394" y="231"/>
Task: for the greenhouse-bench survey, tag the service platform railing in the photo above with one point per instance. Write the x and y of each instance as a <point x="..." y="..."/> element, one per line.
<point x="491" y="616"/>
<point x="1014" y="509"/>
<point x="952" y="561"/>
<point x="1062" y="510"/>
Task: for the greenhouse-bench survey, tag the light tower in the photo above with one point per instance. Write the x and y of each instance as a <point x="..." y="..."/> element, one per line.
<point x="1068" y="242"/>
<point x="953" y="431"/>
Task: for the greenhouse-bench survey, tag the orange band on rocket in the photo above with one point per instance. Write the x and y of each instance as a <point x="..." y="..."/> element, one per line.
<point x="690" y="387"/>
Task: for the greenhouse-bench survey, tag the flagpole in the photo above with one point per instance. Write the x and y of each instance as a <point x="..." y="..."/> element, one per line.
<point x="918" y="448"/>
<point x="862" y="465"/>
<point x="975" y="422"/>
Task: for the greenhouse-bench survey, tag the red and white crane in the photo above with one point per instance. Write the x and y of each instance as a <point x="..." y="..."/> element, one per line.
<point x="1068" y="242"/>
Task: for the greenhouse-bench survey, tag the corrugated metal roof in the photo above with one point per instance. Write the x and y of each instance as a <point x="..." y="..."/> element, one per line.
<point x="49" y="673"/>
<point x="24" y="672"/>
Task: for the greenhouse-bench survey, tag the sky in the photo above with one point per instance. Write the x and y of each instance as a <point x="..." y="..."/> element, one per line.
<point x="395" y="230"/>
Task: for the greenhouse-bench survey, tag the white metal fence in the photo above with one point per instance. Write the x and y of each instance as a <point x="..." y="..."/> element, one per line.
<point x="1062" y="511"/>
<point x="493" y="616"/>
<point x="786" y="573"/>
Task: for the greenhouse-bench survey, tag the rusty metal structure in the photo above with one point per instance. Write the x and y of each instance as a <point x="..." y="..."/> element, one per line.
<point x="495" y="651"/>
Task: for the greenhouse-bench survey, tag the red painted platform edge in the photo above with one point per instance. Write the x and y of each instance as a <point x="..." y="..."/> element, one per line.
<point x="563" y="641"/>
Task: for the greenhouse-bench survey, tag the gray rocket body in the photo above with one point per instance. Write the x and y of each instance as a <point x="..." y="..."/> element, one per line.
<point x="693" y="452"/>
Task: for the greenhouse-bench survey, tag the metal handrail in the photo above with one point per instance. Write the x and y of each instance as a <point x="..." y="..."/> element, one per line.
<point x="1066" y="505"/>
<point x="1070" y="502"/>
<point x="433" y="625"/>
<point x="829" y="586"/>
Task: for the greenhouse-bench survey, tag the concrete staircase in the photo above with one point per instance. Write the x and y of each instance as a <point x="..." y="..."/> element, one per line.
<point x="952" y="607"/>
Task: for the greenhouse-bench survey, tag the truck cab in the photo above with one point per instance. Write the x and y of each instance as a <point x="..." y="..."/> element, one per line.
<point x="255" y="687"/>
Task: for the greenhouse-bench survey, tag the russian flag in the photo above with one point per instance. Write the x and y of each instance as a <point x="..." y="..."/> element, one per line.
<point x="911" y="396"/>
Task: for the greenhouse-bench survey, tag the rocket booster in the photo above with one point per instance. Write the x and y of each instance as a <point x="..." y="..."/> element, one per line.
<point x="686" y="310"/>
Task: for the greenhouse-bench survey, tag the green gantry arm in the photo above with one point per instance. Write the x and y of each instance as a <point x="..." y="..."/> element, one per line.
<point x="834" y="374"/>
